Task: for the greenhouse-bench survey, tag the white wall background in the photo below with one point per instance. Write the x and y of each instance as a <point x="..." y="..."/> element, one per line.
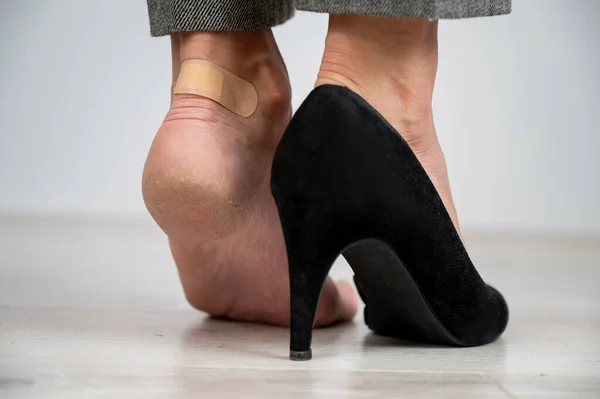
<point x="83" y="88"/>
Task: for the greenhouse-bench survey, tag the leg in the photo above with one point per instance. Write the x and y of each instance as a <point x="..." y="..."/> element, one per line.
<point x="206" y="179"/>
<point x="392" y="63"/>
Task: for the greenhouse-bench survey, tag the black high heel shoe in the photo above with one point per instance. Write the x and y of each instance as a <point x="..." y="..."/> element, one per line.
<point x="345" y="182"/>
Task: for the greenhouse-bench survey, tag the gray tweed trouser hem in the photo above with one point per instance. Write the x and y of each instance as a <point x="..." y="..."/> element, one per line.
<point x="167" y="16"/>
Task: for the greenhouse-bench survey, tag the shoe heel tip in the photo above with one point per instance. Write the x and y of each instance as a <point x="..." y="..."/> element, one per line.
<point x="301" y="356"/>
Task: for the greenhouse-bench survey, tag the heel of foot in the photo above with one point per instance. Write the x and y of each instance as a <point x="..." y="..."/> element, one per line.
<point x="190" y="210"/>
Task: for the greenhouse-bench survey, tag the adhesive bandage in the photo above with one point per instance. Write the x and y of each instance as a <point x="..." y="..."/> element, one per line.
<point x="209" y="80"/>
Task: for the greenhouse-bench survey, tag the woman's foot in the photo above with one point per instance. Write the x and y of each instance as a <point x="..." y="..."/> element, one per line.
<point x="206" y="183"/>
<point x="392" y="64"/>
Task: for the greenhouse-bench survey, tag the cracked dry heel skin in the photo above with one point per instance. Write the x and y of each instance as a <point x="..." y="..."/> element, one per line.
<point x="345" y="182"/>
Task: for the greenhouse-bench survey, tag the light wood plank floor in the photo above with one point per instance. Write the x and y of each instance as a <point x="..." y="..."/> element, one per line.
<point x="93" y="308"/>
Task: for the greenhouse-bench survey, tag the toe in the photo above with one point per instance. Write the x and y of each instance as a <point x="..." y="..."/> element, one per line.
<point x="338" y="303"/>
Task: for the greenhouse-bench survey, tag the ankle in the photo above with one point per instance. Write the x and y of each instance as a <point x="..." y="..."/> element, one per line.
<point x="391" y="63"/>
<point x="397" y="49"/>
<point x="254" y="57"/>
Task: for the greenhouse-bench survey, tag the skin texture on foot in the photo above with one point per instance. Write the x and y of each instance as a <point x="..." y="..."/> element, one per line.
<point x="206" y="183"/>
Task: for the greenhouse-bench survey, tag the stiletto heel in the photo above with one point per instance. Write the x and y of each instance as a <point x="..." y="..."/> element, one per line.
<point x="345" y="182"/>
<point x="304" y="290"/>
<point x="309" y="264"/>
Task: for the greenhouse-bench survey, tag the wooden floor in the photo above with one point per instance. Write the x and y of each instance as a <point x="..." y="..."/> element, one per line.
<point x="93" y="308"/>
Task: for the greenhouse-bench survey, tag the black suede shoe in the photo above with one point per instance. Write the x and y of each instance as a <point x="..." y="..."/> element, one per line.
<point x="346" y="182"/>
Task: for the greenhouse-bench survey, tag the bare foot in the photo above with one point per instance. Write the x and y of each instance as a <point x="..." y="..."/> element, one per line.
<point x="392" y="63"/>
<point x="206" y="183"/>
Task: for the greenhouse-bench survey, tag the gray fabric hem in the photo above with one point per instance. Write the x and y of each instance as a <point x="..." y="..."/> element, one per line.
<point x="432" y="9"/>
<point x="168" y="16"/>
